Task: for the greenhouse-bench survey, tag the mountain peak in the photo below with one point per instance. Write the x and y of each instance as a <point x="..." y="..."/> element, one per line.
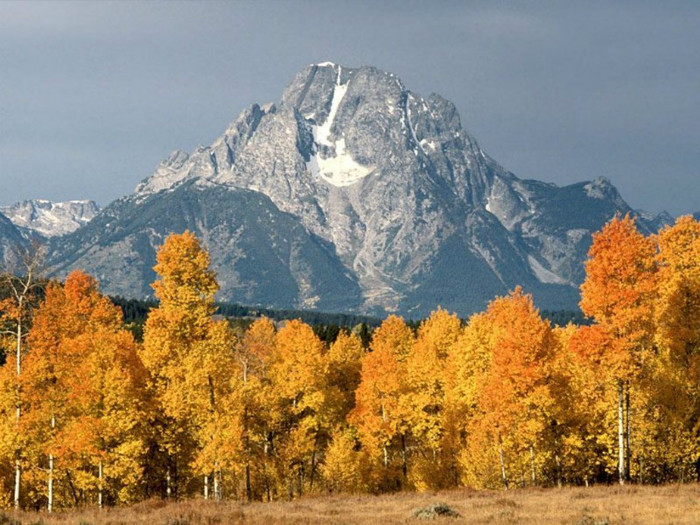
<point x="356" y="192"/>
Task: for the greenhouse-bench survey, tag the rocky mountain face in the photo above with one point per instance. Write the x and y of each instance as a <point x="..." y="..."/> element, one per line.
<point x="50" y="219"/>
<point x="353" y="194"/>
<point x="10" y="238"/>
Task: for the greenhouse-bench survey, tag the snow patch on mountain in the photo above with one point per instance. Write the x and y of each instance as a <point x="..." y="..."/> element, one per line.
<point x="331" y="160"/>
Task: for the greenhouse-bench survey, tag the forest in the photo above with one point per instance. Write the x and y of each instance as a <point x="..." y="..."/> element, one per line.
<point x="91" y="415"/>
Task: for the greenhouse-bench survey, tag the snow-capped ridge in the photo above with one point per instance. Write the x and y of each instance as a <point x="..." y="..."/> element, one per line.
<point x="51" y="219"/>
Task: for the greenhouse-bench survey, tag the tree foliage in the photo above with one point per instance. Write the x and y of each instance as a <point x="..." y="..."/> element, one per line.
<point x="272" y="409"/>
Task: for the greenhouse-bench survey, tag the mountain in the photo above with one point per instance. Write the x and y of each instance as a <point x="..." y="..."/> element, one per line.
<point x="355" y="194"/>
<point x="10" y="238"/>
<point x="50" y="219"/>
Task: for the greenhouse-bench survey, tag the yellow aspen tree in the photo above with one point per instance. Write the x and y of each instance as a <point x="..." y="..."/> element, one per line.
<point x="346" y="467"/>
<point x="378" y="414"/>
<point x="298" y="375"/>
<point x="674" y="384"/>
<point x="212" y="382"/>
<point x="618" y="293"/>
<point x="344" y="366"/>
<point x="585" y="448"/>
<point x="254" y="352"/>
<point x="467" y="362"/>
<point x="678" y="304"/>
<point x="424" y="401"/>
<point x="107" y="431"/>
<point x="175" y="332"/>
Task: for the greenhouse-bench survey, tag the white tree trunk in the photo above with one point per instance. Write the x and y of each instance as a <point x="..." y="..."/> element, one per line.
<point x="206" y="487"/>
<point x="49" y="506"/>
<point x="504" y="477"/>
<point x="18" y="465"/>
<point x="100" y="502"/>
<point x="621" y="432"/>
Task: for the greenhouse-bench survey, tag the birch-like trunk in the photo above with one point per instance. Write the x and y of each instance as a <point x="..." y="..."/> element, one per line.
<point x="532" y="463"/>
<point x="504" y="477"/>
<point x="49" y="506"/>
<point x="386" y="452"/>
<point x="18" y="452"/>
<point x="100" y="494"/>
<point x="621" y="433"/>
<point x="628" y="450"/>
<point x="206" y="487"/>
<point x="217" y="484"/>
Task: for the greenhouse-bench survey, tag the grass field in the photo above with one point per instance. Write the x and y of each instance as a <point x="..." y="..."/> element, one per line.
<point x="676" y="504"/>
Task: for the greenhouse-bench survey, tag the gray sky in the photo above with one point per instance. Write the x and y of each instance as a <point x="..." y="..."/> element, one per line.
<point x="94" y="95"/>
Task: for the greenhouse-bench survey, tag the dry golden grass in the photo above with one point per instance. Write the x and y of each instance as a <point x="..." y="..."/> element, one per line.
<point x="674" y="504"/>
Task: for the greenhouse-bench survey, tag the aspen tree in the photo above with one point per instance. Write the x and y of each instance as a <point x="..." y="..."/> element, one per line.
<point x="618" y="293"/>
<point x="424" y="399"/>
<point x="21" y="281"/>
<point x="513" y="401"/>
<point x="254" y="352"/>
<point x="85" y="389"/>
<point x="299" y="377"/>
<point x="378" y="414"/>
<point x="674" y="384"/>
<point x="175" y="335"/>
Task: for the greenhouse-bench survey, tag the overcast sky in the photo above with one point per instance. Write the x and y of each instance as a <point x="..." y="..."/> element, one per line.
<point x="94" y="95"/>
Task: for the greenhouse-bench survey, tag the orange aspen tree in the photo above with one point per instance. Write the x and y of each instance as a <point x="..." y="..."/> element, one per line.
<point x="514" y="404"/>
<point x="378" y="414"/>
<point x="180" y="347"/>
<point x="85" y="385"/>
<point x="46" y="396"/>
<point x="618" y="293"/>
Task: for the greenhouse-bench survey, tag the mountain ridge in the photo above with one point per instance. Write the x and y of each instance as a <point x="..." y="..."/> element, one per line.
<point x="48" y="218"/>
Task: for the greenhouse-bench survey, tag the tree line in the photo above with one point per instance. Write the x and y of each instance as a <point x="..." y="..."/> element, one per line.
<point x="91" y="416"/>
